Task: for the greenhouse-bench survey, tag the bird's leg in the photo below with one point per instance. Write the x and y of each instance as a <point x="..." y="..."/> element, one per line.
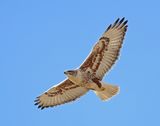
<point x="93" y="86"/>
<point x="95" y="80"/>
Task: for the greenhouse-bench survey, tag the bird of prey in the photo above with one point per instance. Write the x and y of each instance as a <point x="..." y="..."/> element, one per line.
<point x="90" y="74"/>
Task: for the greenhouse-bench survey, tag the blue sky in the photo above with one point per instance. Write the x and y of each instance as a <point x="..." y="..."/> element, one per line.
<point x="41" y="39"/>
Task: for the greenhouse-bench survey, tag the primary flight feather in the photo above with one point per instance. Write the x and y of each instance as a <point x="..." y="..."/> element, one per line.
<point x="90" y="74"/>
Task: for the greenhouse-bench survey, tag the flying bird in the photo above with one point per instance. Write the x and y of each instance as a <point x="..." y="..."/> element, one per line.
<point x="90" y="74"/>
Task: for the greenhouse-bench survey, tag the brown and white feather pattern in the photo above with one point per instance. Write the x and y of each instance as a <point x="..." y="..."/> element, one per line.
<point x="100" y="60"/>
<point x="106" y="50"/>
<point x="62" y="93"/>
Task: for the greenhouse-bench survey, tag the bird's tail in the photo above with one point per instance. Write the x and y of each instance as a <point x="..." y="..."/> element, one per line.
<point x="108" y="91"/>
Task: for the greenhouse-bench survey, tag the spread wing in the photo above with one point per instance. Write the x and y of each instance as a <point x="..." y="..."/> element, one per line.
<point x="106" y="50"/>
<point x="64" y="92"/>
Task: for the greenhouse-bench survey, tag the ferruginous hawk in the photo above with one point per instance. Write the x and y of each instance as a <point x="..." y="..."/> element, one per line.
<point x="89" y="75"/>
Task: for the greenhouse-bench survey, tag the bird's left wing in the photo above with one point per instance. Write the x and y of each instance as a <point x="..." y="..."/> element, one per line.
<point x="106" y="50"/>
<point x="64" y="92"/>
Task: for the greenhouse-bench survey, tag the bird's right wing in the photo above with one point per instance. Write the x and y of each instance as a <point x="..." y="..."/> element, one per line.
<point x="62" y="93"/>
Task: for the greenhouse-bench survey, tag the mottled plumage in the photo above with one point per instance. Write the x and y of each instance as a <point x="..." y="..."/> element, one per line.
<point x="90" y="74"/>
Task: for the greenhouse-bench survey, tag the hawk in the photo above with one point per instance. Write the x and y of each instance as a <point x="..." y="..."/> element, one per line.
<point x="90" y="74"/>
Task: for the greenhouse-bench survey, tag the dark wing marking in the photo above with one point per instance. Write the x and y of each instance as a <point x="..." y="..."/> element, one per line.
<point x="106" y="50"/>
<point x="64" y="92"/>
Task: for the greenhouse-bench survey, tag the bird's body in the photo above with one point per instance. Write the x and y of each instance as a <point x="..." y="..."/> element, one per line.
<point x="90" y="74"/>
<point x="85" y="79"/>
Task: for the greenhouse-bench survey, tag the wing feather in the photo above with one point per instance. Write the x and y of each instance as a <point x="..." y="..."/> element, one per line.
<point x="64" y="92"/>
<point x="106" y="50"/>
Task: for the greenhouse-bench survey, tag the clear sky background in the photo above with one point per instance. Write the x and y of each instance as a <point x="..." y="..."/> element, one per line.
<point x="40" y="39"/>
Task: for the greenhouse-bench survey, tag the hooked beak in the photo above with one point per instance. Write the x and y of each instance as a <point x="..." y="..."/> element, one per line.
<point x="65" y="72"/>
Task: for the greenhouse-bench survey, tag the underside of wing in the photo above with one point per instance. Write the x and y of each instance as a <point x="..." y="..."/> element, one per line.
<point x="64" y="92"/>
<point x="106" y="50"/>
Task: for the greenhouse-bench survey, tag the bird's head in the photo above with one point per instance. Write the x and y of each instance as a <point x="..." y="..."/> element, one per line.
<point x="71" y="73"/>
